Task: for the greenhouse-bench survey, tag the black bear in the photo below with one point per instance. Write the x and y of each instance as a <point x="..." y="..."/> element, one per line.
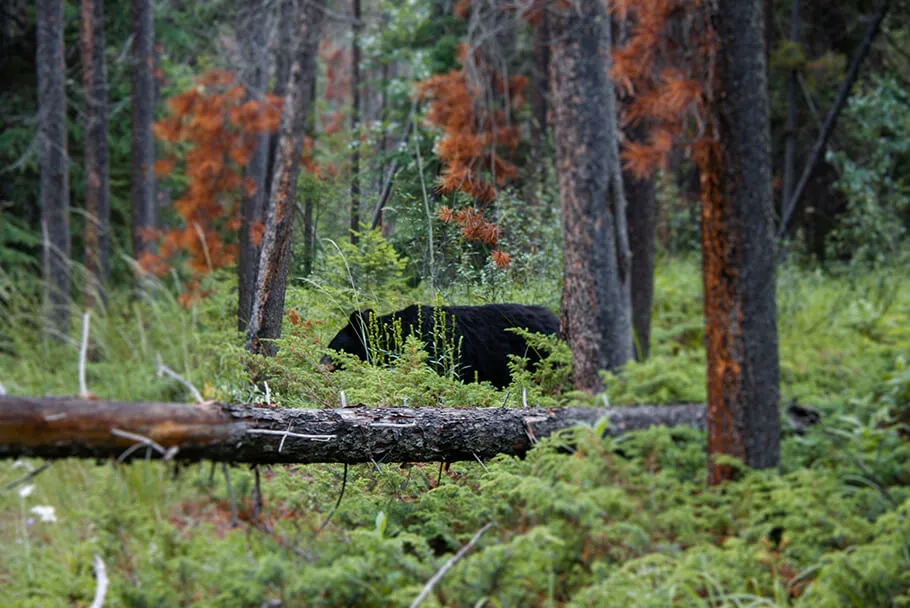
<point x="473" y="338"/>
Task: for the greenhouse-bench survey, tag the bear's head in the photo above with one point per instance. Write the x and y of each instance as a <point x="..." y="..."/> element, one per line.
<point x="352" y="339"/>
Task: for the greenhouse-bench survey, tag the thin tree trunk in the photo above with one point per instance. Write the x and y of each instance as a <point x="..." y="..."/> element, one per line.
<point x="540" y="99"/>
<point x="143" y="186"/>
<point x="642" y="211"/>
<point x="309" y="224"/>
<point x="818" y="148"/>
<point x="97" y="190"/>
<point x="252" y="28"/>
<point x="792" y="93"/>
<point x="287" y="9"/>
<point x="355" y="120"/>
<point x="737" y="250"/>
<point x="596" y="301"/>
<point x="271" y="281"/>
<point x="54" y="163"/>
<point x="641" y="199"/>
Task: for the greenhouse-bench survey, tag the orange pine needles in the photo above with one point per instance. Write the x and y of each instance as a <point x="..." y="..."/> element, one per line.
<point x="476" y="139"/>
<point x="669" y="79"/>
<point x="218" y="127"/>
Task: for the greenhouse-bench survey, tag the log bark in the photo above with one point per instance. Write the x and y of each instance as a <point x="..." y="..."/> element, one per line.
<point x="77" y="428"/>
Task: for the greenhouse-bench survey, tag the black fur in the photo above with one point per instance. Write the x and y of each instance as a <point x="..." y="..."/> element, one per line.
<point x="481" y="331"/>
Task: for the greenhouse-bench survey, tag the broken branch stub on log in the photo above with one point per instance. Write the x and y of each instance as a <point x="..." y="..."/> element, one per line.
<point x="70" y="427"/>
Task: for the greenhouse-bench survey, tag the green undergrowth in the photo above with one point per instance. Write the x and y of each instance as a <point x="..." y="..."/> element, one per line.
<point x="580" y="521"/>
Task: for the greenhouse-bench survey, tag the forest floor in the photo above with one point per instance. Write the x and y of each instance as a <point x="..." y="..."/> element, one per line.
<point x="619" y="522"/>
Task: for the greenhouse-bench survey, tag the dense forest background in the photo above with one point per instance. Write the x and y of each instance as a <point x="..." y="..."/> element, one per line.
<point x="220" y="184"/>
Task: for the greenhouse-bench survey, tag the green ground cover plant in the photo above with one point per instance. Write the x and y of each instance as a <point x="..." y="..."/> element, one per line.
<point x="580" y="521"/>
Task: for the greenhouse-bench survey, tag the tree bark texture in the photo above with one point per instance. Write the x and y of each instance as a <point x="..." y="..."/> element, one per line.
<point x="54" y="166"/>
<point x="792" y="93"/>
<point x="97" y="166"/>
<point x="540" y="98"/>
<point x="271" y="281"/>
<point x="641" y="196"/>
<point x="62" y="428"/>
<point x="738" y="251"/>
<point x="596" y="300"/>
<point x="282" y="60"/>
<point x="253" y="27"/>
<point x="309" y="220"/>
<point x="355" y="120"/>
<point x="143" y="186"/>
<point x="641" y="209"/>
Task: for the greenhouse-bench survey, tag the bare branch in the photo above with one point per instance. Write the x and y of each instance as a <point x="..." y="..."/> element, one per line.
<point x="448" y="566"/>
<point x="83" y="351"/>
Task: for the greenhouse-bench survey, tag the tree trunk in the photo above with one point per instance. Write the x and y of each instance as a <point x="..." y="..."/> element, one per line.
<point x="252" y="29"/>
<point x="641" y="199"/>
<point x="271" y="281"/>
<point x="283" y="51"/>
<point x="596" y="300"/>
<point x="642" y="210"/>
<point x="738" y="250"/>
<point x="355" y="120"/>
<point x="143" y="187"/>
<point x="97" y="170"/>
<point x="62" y="428"/>
<point x="54" y="163"/>
<point x="539" y="94"/>
<point x="792" y="93"/>
<point x="309" y="223"/>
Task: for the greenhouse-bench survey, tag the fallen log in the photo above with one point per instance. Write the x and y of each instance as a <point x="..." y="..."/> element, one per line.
<point x="69" y="427"/>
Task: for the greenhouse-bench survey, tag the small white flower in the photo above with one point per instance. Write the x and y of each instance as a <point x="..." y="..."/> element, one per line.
<point x="26" y="491"/>
<point x="45" y="512"/>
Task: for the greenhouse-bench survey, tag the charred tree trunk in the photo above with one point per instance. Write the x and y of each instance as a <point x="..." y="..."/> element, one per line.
<point x="596" y="300"/>
<point x="738" y="250"/>
<point x="97" y="170"/>
<point x="271" y="281"/>
<point x="143" y="186"/>
<point x="252" y="29"/>
<point x="54" y="163"/>
<point x="355" y="120"/>
<point x="61" y="428"/>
